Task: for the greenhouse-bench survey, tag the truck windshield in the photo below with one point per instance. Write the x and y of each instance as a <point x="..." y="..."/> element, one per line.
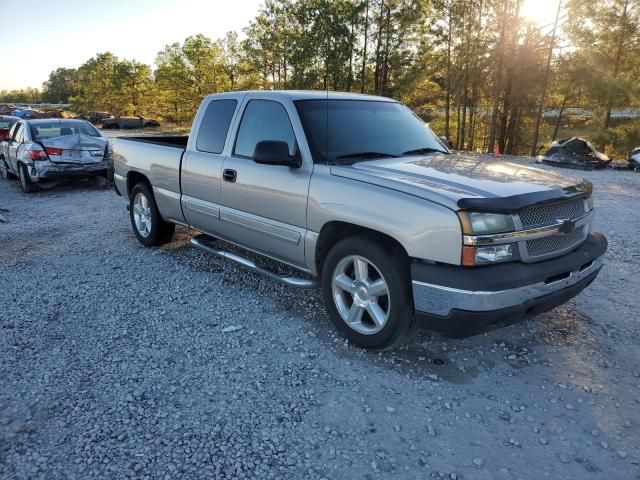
<point x="348" y="131"/>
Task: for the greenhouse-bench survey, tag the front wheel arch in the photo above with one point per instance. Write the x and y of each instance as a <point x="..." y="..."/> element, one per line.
<point x="332" y="232"/>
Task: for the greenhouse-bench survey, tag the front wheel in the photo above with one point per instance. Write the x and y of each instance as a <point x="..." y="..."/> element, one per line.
<point x="366" y="286"/>
<point x="149" y="227"/>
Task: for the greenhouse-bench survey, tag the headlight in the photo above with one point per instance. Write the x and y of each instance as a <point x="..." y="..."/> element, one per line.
<point x="475" y="223"/>
<point x="479" y="224"/>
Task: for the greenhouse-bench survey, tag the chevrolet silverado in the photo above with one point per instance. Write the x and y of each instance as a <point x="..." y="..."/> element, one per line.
<point x="359" y="195"/>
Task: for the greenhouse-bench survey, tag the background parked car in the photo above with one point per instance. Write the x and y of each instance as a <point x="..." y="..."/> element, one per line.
<point x="634" y="159"/>
<point x="44" y="149"/>
<point x="96" y="117"/>
<point x="6" y="122"/>
<point x="129" y="122"/>
<point x="26" y="113"/>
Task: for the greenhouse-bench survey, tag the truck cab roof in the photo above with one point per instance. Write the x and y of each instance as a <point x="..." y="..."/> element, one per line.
<point x="306" y="95"/>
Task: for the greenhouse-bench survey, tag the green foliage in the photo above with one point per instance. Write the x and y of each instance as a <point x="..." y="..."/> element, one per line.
<point x="476" y="69"/>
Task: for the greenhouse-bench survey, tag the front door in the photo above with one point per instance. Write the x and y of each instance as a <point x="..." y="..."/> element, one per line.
<point x="264" y="207"/>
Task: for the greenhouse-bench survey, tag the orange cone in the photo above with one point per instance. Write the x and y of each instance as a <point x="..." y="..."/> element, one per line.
<point x="496" y="150"/>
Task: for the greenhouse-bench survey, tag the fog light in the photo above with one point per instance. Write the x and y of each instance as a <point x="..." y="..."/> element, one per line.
<point x="484" y="255"/>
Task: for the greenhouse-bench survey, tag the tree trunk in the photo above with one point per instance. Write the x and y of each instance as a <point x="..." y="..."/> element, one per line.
<point x="616" y="66"/>
<point x="498" y="83"/>
<point x="556" y="128"/>
<point x="447" y="99"/>
<point x="364" y="51"/>
<point x="545" y="82"/>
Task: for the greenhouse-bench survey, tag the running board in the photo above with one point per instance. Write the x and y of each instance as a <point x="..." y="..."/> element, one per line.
<point x="283" y="278"/>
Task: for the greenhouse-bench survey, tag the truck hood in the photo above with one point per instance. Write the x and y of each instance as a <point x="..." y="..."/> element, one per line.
<point x="465" y="181"/>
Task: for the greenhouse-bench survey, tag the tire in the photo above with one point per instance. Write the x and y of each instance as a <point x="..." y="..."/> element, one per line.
<point x="348" y="295"/>
<point x="149" y="227"/>
<point x="25" y="180"/>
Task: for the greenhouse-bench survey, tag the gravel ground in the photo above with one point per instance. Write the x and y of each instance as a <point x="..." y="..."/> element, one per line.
<point x="120" y="361"/>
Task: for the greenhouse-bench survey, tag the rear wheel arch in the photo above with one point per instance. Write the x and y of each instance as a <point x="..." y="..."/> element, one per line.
<point x="134" y="178"/>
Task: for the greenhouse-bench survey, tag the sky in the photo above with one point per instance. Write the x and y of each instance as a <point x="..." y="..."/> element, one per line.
<point x="42" y="35"/>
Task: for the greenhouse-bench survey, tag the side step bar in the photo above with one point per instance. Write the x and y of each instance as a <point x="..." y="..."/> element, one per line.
<point x="283" y="278"/>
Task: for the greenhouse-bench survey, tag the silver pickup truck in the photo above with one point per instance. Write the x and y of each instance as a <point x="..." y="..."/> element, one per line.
<point x="358" y="194"/>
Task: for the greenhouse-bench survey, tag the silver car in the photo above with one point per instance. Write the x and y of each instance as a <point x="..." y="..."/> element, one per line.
<point x="46" y="149"/>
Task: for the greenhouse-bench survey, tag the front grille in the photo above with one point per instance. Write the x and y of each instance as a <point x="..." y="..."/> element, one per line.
<point x="554" y="243"/>
<point x="550" y="213"/>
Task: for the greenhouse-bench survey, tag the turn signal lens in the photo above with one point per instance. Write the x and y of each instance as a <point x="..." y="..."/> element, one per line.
<point x="36" y="154"/>
<point x="472" y="256"/>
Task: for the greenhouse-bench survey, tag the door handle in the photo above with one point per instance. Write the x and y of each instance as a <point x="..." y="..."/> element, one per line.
<point x="229" y="175"/>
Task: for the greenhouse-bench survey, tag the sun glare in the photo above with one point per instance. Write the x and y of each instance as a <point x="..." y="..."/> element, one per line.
<point x="541" y="12"/>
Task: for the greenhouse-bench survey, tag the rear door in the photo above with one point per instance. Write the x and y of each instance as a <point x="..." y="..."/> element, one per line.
<point x="264" y="207"/>
<point x="202" y="164"/>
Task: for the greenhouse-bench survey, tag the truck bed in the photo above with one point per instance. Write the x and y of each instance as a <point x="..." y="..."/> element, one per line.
<point x="158" y="158"/>
<point x="179" y="141"/>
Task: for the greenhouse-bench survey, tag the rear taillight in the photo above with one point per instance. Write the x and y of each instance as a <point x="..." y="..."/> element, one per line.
<point x="4" y="133"/>
<point x="53" y="151"/>
<point x="36" y="154"/>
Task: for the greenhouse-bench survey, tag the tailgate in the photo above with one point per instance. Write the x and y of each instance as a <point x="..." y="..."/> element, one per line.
<point x="76" y="148"/>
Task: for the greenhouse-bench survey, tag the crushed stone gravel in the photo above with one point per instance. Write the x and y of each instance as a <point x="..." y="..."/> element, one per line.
<point x="118" y="361"/>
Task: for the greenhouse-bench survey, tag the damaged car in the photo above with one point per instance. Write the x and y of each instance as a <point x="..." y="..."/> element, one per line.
<point x="574" y="153"/>
<point x="129" y="122"/>
<point x="633" y="157"/>
<point x="46" y="149"/>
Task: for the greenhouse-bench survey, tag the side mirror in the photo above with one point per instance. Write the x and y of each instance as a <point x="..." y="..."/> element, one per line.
<point x="445" y="140"/>
<point x="274" y="152"/>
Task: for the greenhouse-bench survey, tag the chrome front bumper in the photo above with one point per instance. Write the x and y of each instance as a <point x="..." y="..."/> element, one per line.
<point x="441" y="300"/>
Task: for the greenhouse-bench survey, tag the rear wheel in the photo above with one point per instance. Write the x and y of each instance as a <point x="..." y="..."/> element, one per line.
<point x="367" y="291"/>
<point x="25" y="180"/>
<point x="146" y="221"/>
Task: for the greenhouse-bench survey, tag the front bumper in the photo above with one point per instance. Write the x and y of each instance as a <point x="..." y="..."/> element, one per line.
<point x="47" y="170"/>
<point x="463" y="301"/>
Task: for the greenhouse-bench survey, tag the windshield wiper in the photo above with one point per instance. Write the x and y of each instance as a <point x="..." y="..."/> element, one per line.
<point x="366" y="155"/>
<point x="418" y="151"/>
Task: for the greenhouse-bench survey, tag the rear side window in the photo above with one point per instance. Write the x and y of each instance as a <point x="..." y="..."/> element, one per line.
<point x="264" y="120"/>
<point x="215" y="126"/>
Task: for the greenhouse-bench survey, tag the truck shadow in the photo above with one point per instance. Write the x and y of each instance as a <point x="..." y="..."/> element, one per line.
<point x="427" y="355"/>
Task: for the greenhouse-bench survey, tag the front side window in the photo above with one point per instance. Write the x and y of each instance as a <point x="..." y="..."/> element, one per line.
<point x="264" y="120"/>
<point x="215" y="126"/>
<point x="349" y="131"/>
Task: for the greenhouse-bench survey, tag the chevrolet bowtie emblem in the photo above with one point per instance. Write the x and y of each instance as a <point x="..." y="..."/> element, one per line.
<point x="566" y="227"/>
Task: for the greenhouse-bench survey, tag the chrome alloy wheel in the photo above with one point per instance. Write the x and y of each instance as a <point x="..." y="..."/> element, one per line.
<point x="142" y="214"/>
<point x="361" y="294"/>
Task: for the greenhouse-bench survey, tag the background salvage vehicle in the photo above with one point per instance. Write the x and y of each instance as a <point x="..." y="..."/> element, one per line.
<point x="25" y="113"/>
<point x="356" y="192"/>
<point x="634" y="159"/>
<point x="50" y="149"/>
<point x="6" y="122"/>
<point x="129" y="122"/>
<point x="574" y="153"/>
<point x="96" y="117"/>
